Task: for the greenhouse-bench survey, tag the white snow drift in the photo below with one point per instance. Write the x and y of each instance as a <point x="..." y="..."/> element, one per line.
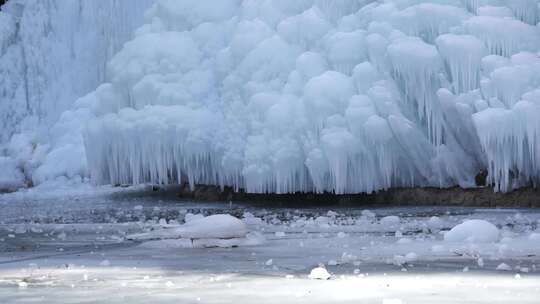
<point x="316" y="95"/>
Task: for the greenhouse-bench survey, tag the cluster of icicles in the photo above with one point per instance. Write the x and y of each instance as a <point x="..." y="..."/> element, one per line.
<point x="343" y="96"/>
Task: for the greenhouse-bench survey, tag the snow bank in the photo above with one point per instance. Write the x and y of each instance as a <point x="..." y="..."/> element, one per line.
<point x="475" y="231"/>
<point x="279" y="96"/>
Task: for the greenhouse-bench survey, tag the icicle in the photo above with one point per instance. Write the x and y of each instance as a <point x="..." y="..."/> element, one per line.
<point x="285" y="96"/>
<point x="510" y="139"/>
<point x="503" y="36"/>
<point x="463" y="57"/>
<point x="429" y="20"/>
<point x="526" y="10"/>
<point x="335" y="9"/>
<point x="471" y="5"/>
<point x="416" y="66"/>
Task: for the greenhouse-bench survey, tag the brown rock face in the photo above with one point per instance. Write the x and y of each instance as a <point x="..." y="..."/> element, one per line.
<point x="475" y="197"/>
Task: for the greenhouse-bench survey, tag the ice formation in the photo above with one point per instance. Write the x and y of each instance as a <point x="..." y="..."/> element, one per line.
<point x="310" y="95"/>
<point x="51" y="53"/>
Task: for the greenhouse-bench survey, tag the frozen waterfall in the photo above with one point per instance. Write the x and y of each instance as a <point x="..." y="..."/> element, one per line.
<point x="51" y="53"/>
<point x="279" y="96"/>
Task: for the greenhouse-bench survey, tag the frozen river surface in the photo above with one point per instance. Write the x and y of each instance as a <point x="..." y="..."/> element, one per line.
<point x="75" y="250"/>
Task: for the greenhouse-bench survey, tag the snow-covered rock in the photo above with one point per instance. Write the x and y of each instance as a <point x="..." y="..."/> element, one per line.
<point x="475" y="231"/>
<point x="319" y="273"/>
<point x="411" y="257"/>
<point x="504" y="267"/>
<point x="219" y="226"/>
<point x="390" y="221"/>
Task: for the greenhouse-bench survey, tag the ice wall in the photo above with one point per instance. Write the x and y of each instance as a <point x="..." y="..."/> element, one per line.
<point x="315" y="95"/>
<point x="51" y="53"/>
<point x="278" y="95"/>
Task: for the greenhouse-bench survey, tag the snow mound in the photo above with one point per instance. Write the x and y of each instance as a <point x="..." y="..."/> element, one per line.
<point x="319" y="273"/>
<point x="390" y="221"/>
<point x="504" y="267"/>
<point x="476" y="231"/>
<point x="219" y="226"/>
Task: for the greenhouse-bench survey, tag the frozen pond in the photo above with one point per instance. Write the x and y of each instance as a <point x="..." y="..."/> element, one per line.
<point x="77" y="249"/>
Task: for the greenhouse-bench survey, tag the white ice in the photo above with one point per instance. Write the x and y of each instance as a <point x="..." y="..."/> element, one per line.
<point x="273" y="96"/>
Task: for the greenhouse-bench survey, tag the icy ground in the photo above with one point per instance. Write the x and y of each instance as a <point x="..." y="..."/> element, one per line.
<point x="77" y="250"/>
